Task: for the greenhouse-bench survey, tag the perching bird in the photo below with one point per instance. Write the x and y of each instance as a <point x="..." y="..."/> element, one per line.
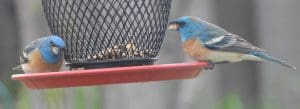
<point x="42" y="55"/>
<point x="202" y="40"/>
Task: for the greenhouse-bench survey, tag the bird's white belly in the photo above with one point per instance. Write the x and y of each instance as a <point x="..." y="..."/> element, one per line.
<point x="25" y="68"/>
<point x="220" y="56"/>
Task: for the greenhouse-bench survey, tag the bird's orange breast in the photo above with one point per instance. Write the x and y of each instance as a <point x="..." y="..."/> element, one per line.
<point x="194" y="48"/>
<point x="38" y="65"/>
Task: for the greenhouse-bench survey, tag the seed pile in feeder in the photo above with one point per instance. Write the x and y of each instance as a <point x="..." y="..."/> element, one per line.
<point x="122" y="51"/>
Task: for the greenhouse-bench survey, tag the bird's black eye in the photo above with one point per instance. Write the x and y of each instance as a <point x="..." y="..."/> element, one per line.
<point x="181" y="23"/>
<point x="52" y="44"/>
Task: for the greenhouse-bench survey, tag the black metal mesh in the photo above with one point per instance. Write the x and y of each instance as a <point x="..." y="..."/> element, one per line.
<point x="104" y="31"/>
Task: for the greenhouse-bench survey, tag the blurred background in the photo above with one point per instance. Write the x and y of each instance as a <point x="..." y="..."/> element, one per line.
<point x="270" y="24"/>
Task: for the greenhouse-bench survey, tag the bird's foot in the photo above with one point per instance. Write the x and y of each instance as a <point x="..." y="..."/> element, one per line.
<point x="211" y="64"/>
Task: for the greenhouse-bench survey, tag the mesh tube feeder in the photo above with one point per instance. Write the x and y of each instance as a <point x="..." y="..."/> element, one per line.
<point x="108" y="33"/>
<point x="115" y="40"/>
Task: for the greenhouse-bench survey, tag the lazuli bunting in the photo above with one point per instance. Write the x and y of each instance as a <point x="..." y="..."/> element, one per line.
<point x="202" y="40"/>
<point x="42" y="55"/>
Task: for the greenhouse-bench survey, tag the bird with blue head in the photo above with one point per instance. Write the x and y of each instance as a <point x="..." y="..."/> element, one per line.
<point x="204" y="41"/>
<point x="42" y="55"/>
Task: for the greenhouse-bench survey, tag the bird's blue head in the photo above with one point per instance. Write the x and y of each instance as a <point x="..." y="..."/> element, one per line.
<point x="188" y="27"/>
<point x="51" y="48"/>
<point x="57" y="41"/>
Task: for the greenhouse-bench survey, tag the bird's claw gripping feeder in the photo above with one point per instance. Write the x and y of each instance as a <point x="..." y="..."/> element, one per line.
<point x="115" y="41"/>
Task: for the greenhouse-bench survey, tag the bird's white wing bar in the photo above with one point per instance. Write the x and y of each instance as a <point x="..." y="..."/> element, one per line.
<point x="221" y="41"/>
<point x="214" y="40"/>
<point x="25" y="55"/>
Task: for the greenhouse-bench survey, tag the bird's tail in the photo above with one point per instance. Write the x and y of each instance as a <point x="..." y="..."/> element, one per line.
<point x="267" y="57"/>
<point x="18" y="67"/>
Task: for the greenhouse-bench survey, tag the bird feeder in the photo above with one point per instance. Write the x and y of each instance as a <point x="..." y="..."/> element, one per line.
<point x="108" y="33"/>
<point x="109" y="36"/>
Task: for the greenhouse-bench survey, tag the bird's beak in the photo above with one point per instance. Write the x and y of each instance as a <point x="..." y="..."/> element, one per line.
<point x="173" y="25"/>
<point x="55" y="50"/>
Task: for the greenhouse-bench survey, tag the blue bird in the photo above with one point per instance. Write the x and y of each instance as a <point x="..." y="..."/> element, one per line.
<point x="42" y="55"/>
<point x="202" y="40"/>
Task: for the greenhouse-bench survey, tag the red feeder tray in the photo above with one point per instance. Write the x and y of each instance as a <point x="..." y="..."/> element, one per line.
<point x="111" y="75"/>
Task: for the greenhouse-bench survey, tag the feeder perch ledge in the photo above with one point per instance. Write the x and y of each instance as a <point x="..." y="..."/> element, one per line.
<point x="111" y="75"/>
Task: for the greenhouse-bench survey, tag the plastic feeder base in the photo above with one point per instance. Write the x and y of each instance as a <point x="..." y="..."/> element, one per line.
<point x="115" y="75"/>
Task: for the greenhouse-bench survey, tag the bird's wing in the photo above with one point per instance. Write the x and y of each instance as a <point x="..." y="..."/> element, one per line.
<point x="28" y="49"/>
<point x="230" y="43"/>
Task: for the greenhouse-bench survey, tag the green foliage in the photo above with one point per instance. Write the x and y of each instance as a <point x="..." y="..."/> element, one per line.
<point x="54" y="98"/>
<point x="231" y="101"/>
<point x="5" y="97"/>
<point x="87" y="94"/>
<point x="23" y="99"/>
<point x="269" y="104"/>
<point x="77" y="98"/>
<point x="11" y="85"/>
